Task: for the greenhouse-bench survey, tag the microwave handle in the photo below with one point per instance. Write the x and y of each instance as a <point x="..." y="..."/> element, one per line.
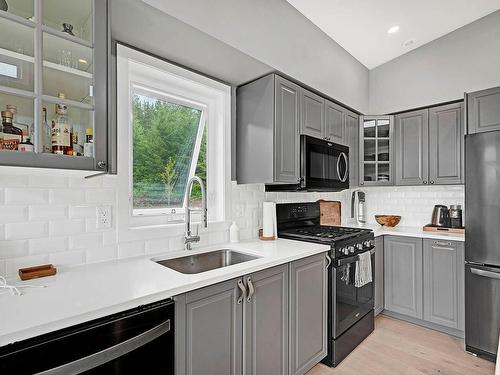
<point x="344" y="156"/>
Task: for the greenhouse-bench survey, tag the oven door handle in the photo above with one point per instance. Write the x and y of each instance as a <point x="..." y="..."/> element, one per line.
<point x="344" y="156"/>
<point x="107" y="355"/>
<point x="352" y="259"/>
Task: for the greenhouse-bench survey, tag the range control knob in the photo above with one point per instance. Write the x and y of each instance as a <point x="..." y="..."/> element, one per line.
<point x="368" y="243"/>
<point x="351" y="249"/>
<point x="359" y="246"/>
<point x="345" y="250"/>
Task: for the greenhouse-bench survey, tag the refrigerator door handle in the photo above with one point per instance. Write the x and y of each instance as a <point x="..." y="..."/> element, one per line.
<point x="489" y="274"/>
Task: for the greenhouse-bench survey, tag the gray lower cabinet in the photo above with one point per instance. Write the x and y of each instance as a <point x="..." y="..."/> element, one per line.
<point x="446" y="144"/>
<point x="403" y="275"/>
<point x="483" y="111"/>
<point x="379" y="275"/>
<point x="270" y="322"/>
<point x="209" y="331"/>
<point x="424" y="282"/>
<point x="308" y="313"/>
<point x="411" y="146"/>
<point x="265" y="323"/>
<point x="313" y="114"/>
<point x="352" y="131"/>
<point x="267" y="131"/>
<point x="444" y="283"/>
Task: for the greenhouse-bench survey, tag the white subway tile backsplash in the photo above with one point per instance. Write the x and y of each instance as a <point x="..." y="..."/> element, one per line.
<point x="48" y="245"/>
<point x="131" y="249"/>
<point x="86" y="240"/>
<point x="9" y="180"/>
<point x="67" y="196"/>
<point x="82" y="212"/>
<point x="67" y="258"/>
<point x="157" y="246"/>
<point x="21" y="196"/>
<point x="23" y="231"/>
<point x="13" y="249"/>
<point x="48" y="212"/>
<point x="48" y="181"/>
<point x="67" y="227"/>
<point x="13" y="214"/>
<point x="101" y="254"/>
<point x="101" y="196"/>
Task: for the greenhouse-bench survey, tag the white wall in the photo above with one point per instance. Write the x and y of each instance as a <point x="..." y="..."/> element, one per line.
<point x="276" y="34"/>
<point x="465" y="60"/>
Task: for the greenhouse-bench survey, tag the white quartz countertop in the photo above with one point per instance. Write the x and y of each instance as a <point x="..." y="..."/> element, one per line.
<point x="408" y="232"/>
<point x="79" y="294"/>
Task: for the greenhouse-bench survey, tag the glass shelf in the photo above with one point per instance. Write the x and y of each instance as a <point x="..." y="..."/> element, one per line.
<point x="77" y="14"/>
<point x="69" y="56"/>
<point x="75" y="87"/>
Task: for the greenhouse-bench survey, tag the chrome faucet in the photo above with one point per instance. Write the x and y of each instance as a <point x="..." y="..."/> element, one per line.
<point x="188" y="237"/>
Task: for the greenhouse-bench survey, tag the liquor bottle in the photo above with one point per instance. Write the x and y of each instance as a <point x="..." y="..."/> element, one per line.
<point x="88" y="147"/>
<point x="47" y="134"/>
<point x="62" y="130"/>
<point x="12" y="135"/>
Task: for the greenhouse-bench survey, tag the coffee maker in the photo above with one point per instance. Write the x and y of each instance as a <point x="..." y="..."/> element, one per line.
<point x="358" y="206"/>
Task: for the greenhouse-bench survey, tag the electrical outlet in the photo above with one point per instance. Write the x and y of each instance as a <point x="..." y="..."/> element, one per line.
<point x="104" y="218"/>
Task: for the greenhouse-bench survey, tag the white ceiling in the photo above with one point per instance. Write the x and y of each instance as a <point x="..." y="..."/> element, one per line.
<point x="360" y="26"/>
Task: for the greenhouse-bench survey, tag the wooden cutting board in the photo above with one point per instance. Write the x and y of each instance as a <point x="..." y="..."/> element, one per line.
<point x="330" y="212"/>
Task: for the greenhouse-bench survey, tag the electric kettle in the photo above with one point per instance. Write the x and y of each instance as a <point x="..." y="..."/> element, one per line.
<point x="440" y="216"/>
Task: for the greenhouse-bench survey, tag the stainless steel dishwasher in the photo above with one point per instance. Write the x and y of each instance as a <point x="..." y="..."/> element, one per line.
<point x="133" y="342"/>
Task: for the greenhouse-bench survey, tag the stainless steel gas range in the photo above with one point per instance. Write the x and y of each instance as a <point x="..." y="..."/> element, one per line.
<point x="350" y="308"/>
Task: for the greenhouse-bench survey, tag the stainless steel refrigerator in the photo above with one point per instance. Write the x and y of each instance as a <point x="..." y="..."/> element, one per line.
<point x="482" y="243"/>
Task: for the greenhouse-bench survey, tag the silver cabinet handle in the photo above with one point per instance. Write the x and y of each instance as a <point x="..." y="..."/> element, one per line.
<point x="251" y="289"/>
<point x="329" y="261"/>
<point x="107" y="355"/>
<point x="243" y="292"/>
<point x="490" y="274"/>
<point x="441" y="243"/>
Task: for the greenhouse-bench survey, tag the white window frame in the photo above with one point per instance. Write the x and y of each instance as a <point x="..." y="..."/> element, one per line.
<point x="181" y="86"/>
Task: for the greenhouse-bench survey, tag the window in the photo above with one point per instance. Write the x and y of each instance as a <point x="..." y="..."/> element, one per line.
<point x="173" y="124"/>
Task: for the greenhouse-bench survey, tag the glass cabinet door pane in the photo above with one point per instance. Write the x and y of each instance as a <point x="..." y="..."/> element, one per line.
<point x="369" y="128"/>
<point x="21" y="8"/>
<point x="383" y="150"/>
<point x="383" y="128"/>
<point x="74" y="87"/>
<point x="22" y="122"/>
<point x="81" y="124"/>
<point x="369" y="172"/>
<point x="73" y="17"/>
<point x="383" y="174"/>
<point x="369" y="150"/>
<point x="16" y="55"/>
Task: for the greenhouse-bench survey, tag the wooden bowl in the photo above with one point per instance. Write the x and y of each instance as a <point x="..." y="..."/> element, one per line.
<point x="388" y="220"/>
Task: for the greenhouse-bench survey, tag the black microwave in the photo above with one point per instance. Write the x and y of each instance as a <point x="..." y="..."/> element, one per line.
<point x="324" y="165"/>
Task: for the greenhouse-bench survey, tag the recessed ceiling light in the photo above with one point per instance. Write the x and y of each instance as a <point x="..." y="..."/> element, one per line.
<point x="393" y="30"/>
<point x="409" y="42"/>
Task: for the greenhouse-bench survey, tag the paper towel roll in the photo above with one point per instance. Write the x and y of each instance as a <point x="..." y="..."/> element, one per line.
<point x="268" y="219"/>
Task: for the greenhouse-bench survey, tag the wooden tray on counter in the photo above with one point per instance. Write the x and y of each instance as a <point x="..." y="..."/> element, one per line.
<point x="431" y="228"/>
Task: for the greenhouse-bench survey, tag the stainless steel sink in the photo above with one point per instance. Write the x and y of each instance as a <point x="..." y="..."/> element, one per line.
<point x="212" y="260"/>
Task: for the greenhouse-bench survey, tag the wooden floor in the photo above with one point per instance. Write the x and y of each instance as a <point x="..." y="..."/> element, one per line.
<point x="397" y="347"/>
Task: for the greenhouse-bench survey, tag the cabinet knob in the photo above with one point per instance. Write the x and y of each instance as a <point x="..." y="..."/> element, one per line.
<point x="101" y="164"/>
<point x="361" y="183"/>
<point x="425" y="182"/>
<point x="431" y="182"/>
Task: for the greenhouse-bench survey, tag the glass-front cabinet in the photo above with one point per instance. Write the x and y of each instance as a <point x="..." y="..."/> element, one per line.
<point x="53" y="83"/>
<point x="376" y="157"/>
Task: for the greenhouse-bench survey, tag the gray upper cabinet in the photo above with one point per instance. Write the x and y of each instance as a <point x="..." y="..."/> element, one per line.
<point x="308" y="313"/>
<point x="286" y="142"/>
<point x="446" y="144"/>
<point x="483" y="111"/>
<point x="379" y="275"/>
<point x="444" y="283"/>
<point x="265" y="350"/>
<point x="352" y="131"/>
<point x="209" y="331"/>
<point x="267" y="138"/>
<point x="335" y="127"/>
<point x="376" y="150"/>
<point x="403" y="275"/>
<point x="34" y="43"/>
<point x="313" y="114"/>
<point x="411" y="143"/>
